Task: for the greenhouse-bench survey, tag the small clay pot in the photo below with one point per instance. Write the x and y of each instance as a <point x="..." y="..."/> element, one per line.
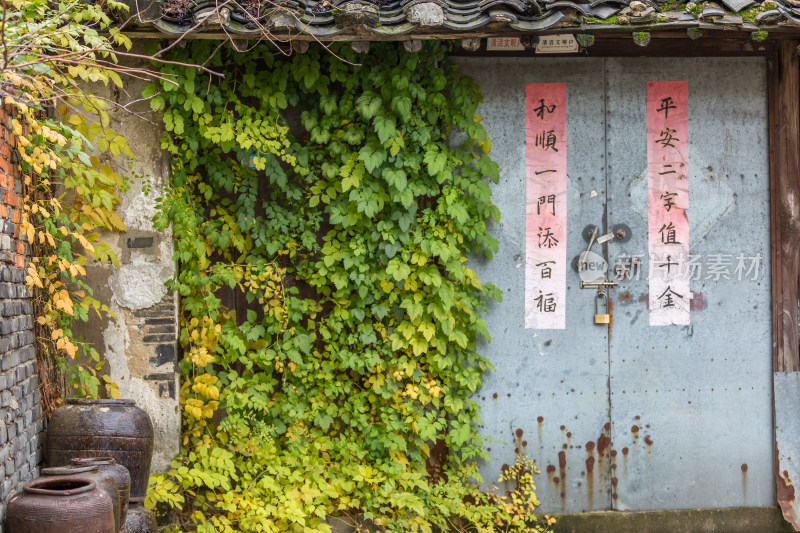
<point x="107" y="428"/>
<point x="104" y="480"/>
<point x="140" y="520"/>
<point x="120" y="474"/>
<point x="60" y="505"/>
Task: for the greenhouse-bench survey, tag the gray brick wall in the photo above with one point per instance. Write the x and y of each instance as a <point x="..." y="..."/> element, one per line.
<point x="21" y="420"/>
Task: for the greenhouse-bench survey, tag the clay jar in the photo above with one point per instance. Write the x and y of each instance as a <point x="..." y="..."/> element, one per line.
<point x="140" y="520"/>
<point x="104" y="480"/>
<point x="120" y="474"/>
<point x="60" y="505"/>
<point x="107" y="428"/>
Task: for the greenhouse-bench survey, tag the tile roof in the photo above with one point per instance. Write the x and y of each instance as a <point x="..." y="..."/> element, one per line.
<point x="365" y="20"/>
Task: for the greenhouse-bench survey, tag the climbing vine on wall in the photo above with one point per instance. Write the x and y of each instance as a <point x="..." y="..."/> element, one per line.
<point x="51" y="52"/>
<point x="323" y="212"/>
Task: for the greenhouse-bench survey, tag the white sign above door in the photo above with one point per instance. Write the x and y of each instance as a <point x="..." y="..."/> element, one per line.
<point x="561" y="43"/>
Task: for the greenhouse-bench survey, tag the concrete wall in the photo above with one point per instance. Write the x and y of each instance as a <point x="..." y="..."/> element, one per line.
<point x="21" y="423"/>
<point x="140" y="346"/>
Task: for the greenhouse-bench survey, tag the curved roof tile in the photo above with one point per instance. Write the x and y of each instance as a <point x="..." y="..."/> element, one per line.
<point x="360" y="19"/>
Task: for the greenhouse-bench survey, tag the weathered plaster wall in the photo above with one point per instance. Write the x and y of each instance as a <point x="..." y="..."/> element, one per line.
<point x="21" y="422"/>
<point x="140" y="345"/>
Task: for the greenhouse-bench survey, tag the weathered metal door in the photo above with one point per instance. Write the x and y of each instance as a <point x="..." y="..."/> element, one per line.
<point x="631" y="416"/>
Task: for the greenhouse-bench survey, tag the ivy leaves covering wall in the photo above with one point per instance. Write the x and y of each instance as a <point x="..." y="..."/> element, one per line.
<point x="52" y="51"/>
<point x="325" y="195"/>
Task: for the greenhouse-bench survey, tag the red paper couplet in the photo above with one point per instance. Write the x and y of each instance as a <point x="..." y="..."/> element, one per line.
<point x="667" y="201"/>
<point x="545" y="205"/>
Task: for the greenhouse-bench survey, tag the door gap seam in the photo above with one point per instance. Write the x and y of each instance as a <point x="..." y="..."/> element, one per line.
<point x="606" y="210"/>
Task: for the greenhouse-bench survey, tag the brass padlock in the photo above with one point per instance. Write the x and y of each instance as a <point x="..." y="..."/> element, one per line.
<point x="601" y="318"/>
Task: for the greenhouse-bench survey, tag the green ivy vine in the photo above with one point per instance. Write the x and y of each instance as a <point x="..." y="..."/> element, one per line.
<point x="326" y="198"/>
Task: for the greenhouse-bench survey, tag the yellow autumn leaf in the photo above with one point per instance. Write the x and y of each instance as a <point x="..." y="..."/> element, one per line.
<point x="29" y="231"/>
<point x="200" y="356"/>
<point x="85" y="243"/>
<point x="117" y="222"/>
<point x="62" y="301"/>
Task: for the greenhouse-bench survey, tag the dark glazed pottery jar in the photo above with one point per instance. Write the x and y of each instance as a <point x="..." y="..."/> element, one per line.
<point x="107" y="428"/>
<point x="120" y="474"/>
<point x="104" y="480"/>
<point x="60" y="505"/>
<point x="140" y="520"/>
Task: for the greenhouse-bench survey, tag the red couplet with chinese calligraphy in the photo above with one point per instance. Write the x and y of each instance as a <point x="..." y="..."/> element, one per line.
<point x="668" y="200"/>
<point x="545" y="205"/>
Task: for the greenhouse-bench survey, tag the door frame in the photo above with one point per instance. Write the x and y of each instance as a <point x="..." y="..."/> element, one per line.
<point x="784" y="162"/>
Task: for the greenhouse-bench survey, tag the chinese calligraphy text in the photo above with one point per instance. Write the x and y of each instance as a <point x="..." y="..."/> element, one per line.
<point x="668" y="200"/>
<point x="545" y="205"/>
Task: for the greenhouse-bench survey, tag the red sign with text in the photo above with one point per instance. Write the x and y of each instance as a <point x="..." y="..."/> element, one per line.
<point x="545" y="205"/>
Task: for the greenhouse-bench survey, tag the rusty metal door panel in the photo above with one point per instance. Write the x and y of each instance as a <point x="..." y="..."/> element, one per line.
<point x="691" y="406"/>
<point x="787" y="437"/>
<point x="652" y="417"/>
<point x="548" y="393"/>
